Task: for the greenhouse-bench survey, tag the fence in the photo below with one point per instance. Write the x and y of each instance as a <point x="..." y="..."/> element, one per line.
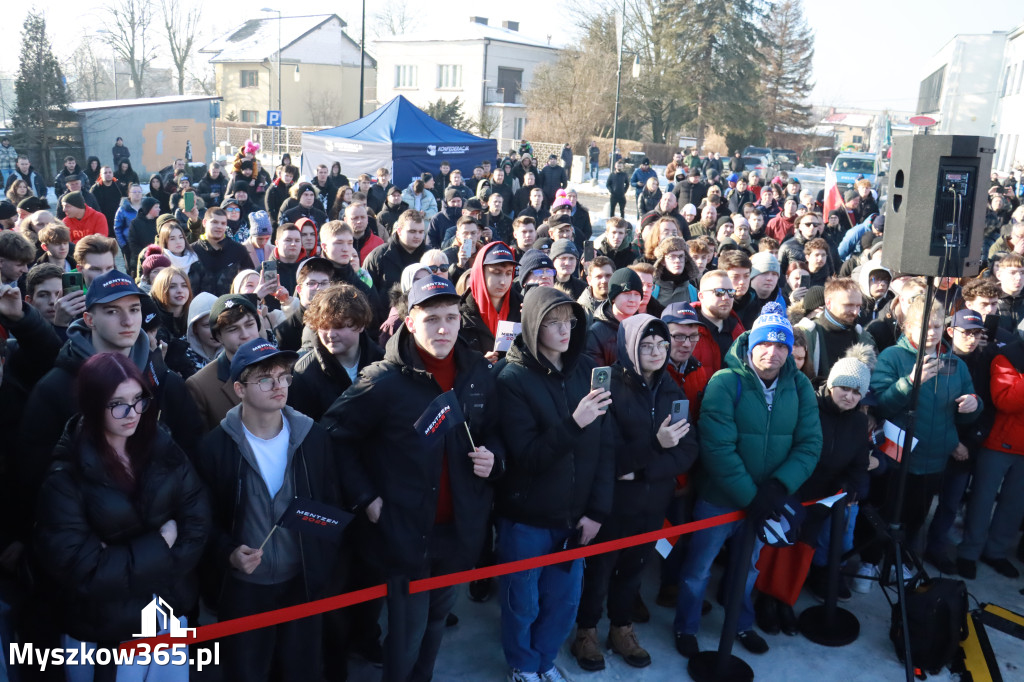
<point x="274" y="142"/>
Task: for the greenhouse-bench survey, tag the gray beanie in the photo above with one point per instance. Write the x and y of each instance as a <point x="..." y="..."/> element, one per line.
<point x="853" y="370"/>
<point x="762" y="262"/>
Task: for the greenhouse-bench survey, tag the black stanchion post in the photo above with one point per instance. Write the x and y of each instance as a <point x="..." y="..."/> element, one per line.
<point x="827" y="624"/>
<point x="721" y="665"/>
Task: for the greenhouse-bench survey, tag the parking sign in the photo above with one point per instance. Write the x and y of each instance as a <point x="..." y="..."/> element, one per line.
<point x="274" y="119"/>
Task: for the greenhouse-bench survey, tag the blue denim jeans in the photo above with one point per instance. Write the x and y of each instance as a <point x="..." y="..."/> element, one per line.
<point x="696" y="571"/>
<point x="538" y="607"/>
<point x="825" y="536"/>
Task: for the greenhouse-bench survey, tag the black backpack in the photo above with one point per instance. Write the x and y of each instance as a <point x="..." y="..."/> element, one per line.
<point x="937" y="620"/>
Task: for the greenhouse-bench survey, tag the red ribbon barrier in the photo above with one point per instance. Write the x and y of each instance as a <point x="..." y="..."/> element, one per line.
<point x="235" y="626"/>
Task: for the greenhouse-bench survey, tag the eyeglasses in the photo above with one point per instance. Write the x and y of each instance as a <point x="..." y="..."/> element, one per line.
<point x="232" y="209"/>
<point x="683" y="338"/>
<point x="438" y="268"/>
<point x="812" y="224"/>
<point x="652" y="348"/>
<point x="122" y="410"/>
<point x="267" y="384"/>
<point x="561" y="324"/>
<point x="971" y="333"/>
<point x="722" y="293"/>
<point x="543" y="272"/>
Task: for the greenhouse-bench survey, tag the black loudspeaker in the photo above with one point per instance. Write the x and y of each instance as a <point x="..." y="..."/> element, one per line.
<point x="935" y="213"/>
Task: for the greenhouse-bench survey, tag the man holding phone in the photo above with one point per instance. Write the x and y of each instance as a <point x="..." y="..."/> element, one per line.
<point x="559" y="484"/>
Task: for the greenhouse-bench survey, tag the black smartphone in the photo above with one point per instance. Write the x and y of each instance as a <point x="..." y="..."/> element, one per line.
<point x="805" y="281"/>
<point x="72" y="281"/>
<point x="601" y="378"/>
<point x="991" y="326"/>
<point x="588" y="251"/>
<point x="680" y="411"/>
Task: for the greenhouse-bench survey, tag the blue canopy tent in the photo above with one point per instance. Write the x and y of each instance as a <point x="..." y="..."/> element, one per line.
<point x="398" y="136"/>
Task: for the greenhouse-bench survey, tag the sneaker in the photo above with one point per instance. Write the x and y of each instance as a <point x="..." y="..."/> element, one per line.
<point x="844" y="589"/>
<point x="519" y="676"/>
<point x="752" y="642"/>
<point x="553" y="675"/>
<point x="687" y="645"/>
<point x="766" y="614"/>
<point x="867" y="575"/>
<point x="586" y="650"/>
<point x="622" y="640"/>
<point x="1002" y="566"/>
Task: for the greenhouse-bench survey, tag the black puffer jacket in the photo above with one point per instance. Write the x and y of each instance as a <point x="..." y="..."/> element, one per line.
<point x="557" y="472"/>
<point x="474" y="330"/>
<point x="320" y="378"/>
<point x="844" y="455"/>
<point x="602" y="337"/>
<point x="219" y="266"/>
<point x="102" y="547"/>
<point x="637" y="411"/>
<point x="387" y="262"/>
<point x="381" y="453"/>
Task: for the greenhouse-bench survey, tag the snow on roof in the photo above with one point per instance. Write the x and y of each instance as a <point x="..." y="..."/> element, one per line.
<point x="139" y="101"/>
<point x="256" y="39"/>
<point x="469" y="31"/>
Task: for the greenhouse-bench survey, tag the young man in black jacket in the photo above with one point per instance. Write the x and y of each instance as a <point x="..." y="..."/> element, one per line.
<point x="263" y="455"/>
<point x="560" y="479"/>
<point x="406" y="246"/>
<point x="427" y="501"/>
<point x="618" y="184"/>
<point x="221" y="257"/>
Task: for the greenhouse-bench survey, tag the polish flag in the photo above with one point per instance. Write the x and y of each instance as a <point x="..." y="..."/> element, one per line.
<point x="833" y="197"/>
<point x="893" y="443"/>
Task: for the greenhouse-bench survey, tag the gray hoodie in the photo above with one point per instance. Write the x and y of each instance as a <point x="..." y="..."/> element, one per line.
<point x="282" y="557"/>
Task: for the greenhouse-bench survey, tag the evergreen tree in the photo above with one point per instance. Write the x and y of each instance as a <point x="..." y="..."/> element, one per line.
<point x="786" y="70"/>
<point x="42" y="98"/>
<point x="720" y="39"/>
<point x="449" y="113"/>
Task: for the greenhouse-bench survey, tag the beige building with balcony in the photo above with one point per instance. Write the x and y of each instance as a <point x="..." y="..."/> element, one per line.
<point x="486" y="67"/>
<point x="319" y="71"/>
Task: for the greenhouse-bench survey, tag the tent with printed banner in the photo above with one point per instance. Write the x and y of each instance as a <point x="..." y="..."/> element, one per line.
<point x="398" y="136"/>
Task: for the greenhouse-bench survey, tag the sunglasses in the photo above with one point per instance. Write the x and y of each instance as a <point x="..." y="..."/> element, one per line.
<point x="438" y="268"/>
<point x="723" y="293"/>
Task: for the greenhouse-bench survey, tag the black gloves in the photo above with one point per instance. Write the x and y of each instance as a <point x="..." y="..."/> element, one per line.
<point x="770" y="497"/>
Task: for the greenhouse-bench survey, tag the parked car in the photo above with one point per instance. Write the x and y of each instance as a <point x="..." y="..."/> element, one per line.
<point x="757" y="151"/>
<point x="761" y="164"/>
<point x="848" y="166"/>
<point x="785" y="159"/>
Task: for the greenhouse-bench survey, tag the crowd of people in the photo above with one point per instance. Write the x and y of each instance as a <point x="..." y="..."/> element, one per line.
<point x="183" y="360"/>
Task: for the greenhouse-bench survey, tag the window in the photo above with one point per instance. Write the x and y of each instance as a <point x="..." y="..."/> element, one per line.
<point x="1020" y="76"/>
<point x="520" y="123"/>
<point x="449" y="77"/>
<point x="1007" y="81"/>
<point x="249" y="79"/>
<point x="510" y="82"/>
<point x="930" y="92"/>
<point x="405" y="76"/>
<point x="250" y="116"/>
<point x="858" y="139"/>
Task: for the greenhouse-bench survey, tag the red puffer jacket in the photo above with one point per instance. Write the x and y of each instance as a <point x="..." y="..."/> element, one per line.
<point x="1007" y="434"/>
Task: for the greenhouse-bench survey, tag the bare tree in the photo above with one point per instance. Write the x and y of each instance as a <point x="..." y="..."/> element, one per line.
<point x="487" y="124"/>
<point x="128" y="33"/>
<point x="181" y="24"/>
<point x="88" y="79"/>
<point x="324" y="107"/>
<point x="393" y="19"/>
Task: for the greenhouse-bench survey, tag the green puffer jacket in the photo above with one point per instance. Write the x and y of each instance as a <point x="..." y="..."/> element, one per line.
<point x="937" y="414"/>
<point x="743" y="444"/>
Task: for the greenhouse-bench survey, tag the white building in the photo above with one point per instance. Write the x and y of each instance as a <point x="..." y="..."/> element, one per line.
<point x="1009" y="118"/>
<point x="973" y="86"/>
<point x="485" y="66"/>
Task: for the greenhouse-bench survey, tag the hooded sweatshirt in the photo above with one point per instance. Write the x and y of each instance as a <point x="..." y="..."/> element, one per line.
<point x="199" y="308"/>
<point x="557" y="472"/>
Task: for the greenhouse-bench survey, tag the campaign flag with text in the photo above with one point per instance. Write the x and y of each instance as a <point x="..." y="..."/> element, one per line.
<point x="316" y="518"/>
<point x="441" y="416"/>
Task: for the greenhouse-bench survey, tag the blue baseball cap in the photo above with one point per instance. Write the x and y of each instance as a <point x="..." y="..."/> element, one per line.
<point x="680" y="313"/>
<point x="499" y="253"/>
<point x="110" y="286"/>
<point x="968" y="319"/>
<point x="430" y="287"/>
<point x="255" y="351"/>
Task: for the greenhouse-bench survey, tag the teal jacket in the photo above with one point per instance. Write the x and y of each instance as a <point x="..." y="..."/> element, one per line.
<point x="937" y="414"/>
<point x="743" y="444"/>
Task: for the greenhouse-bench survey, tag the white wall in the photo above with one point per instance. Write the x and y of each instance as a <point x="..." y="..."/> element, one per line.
<point x="325" y="45"/>
<point x="1009" y="119"/>
<point x="969" y="95"/>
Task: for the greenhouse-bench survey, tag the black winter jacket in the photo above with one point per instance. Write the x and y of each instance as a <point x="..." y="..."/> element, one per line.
<point x="602" y="337"/>
<point x="219" y="266"/>
<point x="617" y="184"/>
<point x="213" y="190"/>
<point x="381" y="453"/>
<point x="320" y="378"/>
<point x="101" y="547"/>
<point x="474" y="331"/>
<point x="386" y="263"/>
<point x="636" y="412"/>
<point x="844" y="455"/>
<point x="557" y="472"/>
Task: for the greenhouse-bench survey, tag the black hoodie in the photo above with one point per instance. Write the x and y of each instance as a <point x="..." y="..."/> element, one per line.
<point x="557" y="472"/>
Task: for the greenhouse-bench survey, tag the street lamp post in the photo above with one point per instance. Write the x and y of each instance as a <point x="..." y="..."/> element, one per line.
<point x="277" y="140"/>
<point x="618" y="90"/>
<point x="362" y="61"/>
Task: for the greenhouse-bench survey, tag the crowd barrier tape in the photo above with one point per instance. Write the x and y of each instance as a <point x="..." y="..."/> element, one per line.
<point x="256" y="621"/>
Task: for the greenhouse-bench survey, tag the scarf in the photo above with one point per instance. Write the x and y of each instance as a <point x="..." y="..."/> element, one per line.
<point x="478" y="288"/>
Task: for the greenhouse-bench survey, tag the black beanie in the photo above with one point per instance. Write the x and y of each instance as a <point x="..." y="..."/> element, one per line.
<point x="624" y="280"/>
<point x="655" y="329"/>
